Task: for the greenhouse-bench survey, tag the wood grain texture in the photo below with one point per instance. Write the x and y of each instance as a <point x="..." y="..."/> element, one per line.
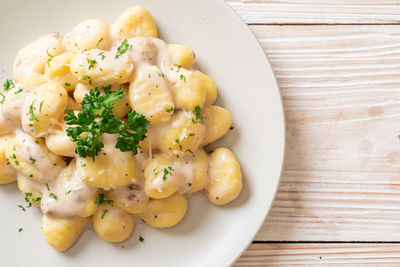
<point x="321" y="255"/>
<point x="317" y="11"/>
<point x="341" y="92"/>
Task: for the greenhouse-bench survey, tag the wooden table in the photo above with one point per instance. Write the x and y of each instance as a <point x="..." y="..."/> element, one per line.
<point x="338" y="67"/>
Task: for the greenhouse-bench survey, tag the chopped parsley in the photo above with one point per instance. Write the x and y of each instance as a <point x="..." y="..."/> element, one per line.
<point x="33" y="161"/>
<point x="21" y="207"/>
<point x="67" y="84"/>
<point x="68" y="192"/>
<point x="190" y="151"/>
<point x="100" y="200"/>
<point x="167" y="171"/>
<point x="199" y="118"/>
<point x="101" y="39"/>
<point x="30" y="175"/>
<point x="98" y="118"/>
<point x="32" y="116"/>
<point x="50" y="55"/>
<point x="101" y="54"/>
<point x="36" y="199"/>
<point x="141" y="239"/>
<point x="177" y="141"/>
<point x="54" y="196"/>
<point x="161" y="74"/>
<point x="16" y="162"/>
<point x="20" y="230"/>
<point x="104" y="213"/>
<point x="179" y="67"/>
<point x="19" y="91"/>
<point x="48" y="187"/>
<point x="189" y="184"/>
<point x="231" y="128"/>
<point x="8" y="85"/>
<point x="169" y="109"/>
<point x="8" y="161"/>
<point x="191" y="134"/>
<point x="87" y="77"/>
<point x="91" y="62"/>
<point x="36" y="142"/>
<point x="3" y="98"/>
<point x="182" y="77"/>
<point x="122" y="48"/>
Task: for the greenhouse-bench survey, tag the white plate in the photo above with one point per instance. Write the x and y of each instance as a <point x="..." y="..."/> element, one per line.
<point x="228" y="52"/>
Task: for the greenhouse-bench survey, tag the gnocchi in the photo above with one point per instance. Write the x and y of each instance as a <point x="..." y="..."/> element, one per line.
<point x="109" y="123"/>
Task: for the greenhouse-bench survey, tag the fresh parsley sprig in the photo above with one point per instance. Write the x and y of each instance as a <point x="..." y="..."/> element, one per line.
<point x="98" y="118"/>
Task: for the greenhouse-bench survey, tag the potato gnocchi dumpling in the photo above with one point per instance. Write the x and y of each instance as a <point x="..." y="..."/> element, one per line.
<point x="100" y="67"/>
<point x="58" y="70"/>
<point x="218" y="121"/>
<point x="7" y="173"/>
<point x="112" y="224"/>
<point x="182" y="136"/>
<point x="110" y="169"/>
<point x="226" y="177"/>
<point x="149" y="95"/>
<point x="34" y="57"/>
<point x="108" y="123"/>
<point x="30" y="189"/>
<point x="89" y="34"/>
<point x="62" y="233"/>
<point x="43" y="108"/>
<point x="134" y="22"/>
<point x="166" y="212"/>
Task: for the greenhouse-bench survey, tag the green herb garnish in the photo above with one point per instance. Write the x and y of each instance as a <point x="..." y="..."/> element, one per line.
<point x="8" y="85"/>
<point x="122" y="48"/>
<point x="199" y="118"/>
<point x="19" y="91"/>
<point x="53" y="196"/>
<point x="167" y="171"/>
<point x="101" y="39"/>
<point x="104" y="213"/>
<point x="100" y="200"/>
<point x="91" y="63"/>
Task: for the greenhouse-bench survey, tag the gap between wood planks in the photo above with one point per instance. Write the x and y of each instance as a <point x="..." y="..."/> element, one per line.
<point x="321" y="24"/>
<point x="326" y="242"/>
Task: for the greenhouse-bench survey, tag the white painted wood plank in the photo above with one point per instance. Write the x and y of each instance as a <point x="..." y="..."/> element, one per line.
<point x="317" y="12"/>
<point x="321" y="255"/>
<point x="341" y="92"/>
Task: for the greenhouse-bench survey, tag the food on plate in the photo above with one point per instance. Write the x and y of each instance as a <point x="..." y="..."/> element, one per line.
<point x="107" y="123"/>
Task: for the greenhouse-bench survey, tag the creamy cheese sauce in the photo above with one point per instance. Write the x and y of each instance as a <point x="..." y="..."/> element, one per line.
<point x="68" y="194"/>
<point x="66" y="184"/>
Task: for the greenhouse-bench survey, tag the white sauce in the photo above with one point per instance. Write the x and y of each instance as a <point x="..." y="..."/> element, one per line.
<point x="71" y="192"/>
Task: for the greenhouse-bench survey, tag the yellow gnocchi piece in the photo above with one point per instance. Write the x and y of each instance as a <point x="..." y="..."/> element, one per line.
<point x="188" y="88"/>
<point x="181" y="55"/>
<point x="209" y="84"/>
<point x="14" y="99"/>
<point x="34" y="57"/>
<point x="43" y="108"/>
<point x="149" y="95"/>
<point x="72" y="104"/>
<point x="112" y="224"/>
<point x="226" y="178"/>
<point x="218" y="121"/>
<point x="7" y="173"/>
<point x="59" y="143"/>
<point x="30" y="189"/>
<point x="163" y="213"/>
<point x="111" y="168"/>
<point x="58" y="70"/>
<point x="103" y="68"/>
<point x="62" y="233"/>
<point x="134" y="22"/>
<point x="32" y="158"/>
<point x="129" y="198"/>
<point x="181" y="136"/>
<point x="200" y="176"/>
<point x="161" y="178"/>
<point x="89" y="34"/>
